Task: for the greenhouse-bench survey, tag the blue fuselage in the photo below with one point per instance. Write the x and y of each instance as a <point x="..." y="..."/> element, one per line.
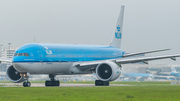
<point x="137" y="75"/>
<point x="65" y="53"/>
<point x="175" y="74"/>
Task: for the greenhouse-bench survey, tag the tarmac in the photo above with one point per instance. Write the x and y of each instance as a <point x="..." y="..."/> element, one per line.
<point x="61" y="85"/>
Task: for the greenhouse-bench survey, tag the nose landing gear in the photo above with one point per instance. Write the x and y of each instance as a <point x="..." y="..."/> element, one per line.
<point x="27" y="83"/>
<point x="52" y="82"/>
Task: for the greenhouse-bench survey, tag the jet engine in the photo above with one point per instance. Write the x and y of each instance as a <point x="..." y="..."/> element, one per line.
<point x="108" y="71"/>
<point x="14" y="76"/>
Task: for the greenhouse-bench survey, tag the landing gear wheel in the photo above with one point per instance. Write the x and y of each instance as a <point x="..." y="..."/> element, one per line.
<point x="101" y="83"/>
<point x="26" y="84"/>
<point x="52" y="83"/>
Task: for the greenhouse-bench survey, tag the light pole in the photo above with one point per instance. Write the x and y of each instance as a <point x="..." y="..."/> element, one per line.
<point x="9" y="49"/>
<point x="1" y="55"/>
<point x="1" y="50"/>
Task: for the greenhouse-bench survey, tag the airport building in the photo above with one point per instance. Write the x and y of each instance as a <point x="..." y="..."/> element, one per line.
<point x="3" y="67"/>
<point x="8" y="52"/>
<point x="144" y="72"/>
<point x="145" y="68"/>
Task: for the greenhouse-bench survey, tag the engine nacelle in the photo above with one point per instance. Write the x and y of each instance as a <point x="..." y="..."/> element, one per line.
<point x="108" y="71"/>
<point x="14" y="76"/>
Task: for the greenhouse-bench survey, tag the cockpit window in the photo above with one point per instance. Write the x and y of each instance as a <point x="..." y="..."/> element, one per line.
<point x="21" y="54"/>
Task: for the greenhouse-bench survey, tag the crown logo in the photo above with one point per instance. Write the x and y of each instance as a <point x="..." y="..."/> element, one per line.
<point x="118" y="28"/>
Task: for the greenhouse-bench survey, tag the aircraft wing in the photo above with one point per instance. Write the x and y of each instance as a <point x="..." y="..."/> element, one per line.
<point x="83" y="66"/>
<point x="5" y="60"/>
<point x="145" y="59"/>
<point x="144" y="52"/>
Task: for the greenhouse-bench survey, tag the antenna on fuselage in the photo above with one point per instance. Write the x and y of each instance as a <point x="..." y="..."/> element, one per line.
<point x="88" y="40"/>
<point x="34" y="39"/>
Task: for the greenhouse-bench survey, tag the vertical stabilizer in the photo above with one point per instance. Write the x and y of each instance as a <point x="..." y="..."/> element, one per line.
<point x="173" y="70"/>
<point x="117" y="35"/>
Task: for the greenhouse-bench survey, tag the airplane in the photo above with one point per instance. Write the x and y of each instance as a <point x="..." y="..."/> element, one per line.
<point x="66" y="59"/>
<point x="175" y="73"/>
<point x="38" y="77"/>
<point x="1" y="78"/>
<point x="171" y="72"/>
<point x="164" y="78"/>
<point x="2" y="75"/>
<point x="84" y="78"/>
<point x="171" y="75"/>
<point x="138" y="76"/>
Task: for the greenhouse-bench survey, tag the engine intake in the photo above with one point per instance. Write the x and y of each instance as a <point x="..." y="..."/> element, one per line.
<point x="108" y="71"/>
<point x="14" y="76"/>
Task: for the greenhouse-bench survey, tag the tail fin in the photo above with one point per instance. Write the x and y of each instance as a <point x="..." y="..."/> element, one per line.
<point x="116" y="39"/>
<point x="173" y="70"/>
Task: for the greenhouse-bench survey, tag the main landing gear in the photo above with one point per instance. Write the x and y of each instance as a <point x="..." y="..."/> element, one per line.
<point x="101" y="83"/>
<point x="27" y="84"/>
<point x="52" y="82"/>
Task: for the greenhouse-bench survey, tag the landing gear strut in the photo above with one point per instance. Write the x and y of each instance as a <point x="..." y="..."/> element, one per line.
<point x="52" y="82"/>
<point x="101" y="83"/>
<point x="27" y="83"/>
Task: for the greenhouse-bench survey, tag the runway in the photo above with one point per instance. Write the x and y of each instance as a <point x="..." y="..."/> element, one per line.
<point x="61" y="85"/>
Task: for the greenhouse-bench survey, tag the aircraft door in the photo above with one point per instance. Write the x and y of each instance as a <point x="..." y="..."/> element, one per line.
<point x="59" y="55"/>
<point x="40" y="63"/>
<point x="83" y="56"/>
<point x="40" y="56"/>
<point x="103" y="55"/>
<point x="56" y="67"/>
<point x="60" y="67"/>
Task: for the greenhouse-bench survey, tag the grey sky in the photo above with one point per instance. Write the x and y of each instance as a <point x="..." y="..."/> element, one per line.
<point x="148" y="24"/>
